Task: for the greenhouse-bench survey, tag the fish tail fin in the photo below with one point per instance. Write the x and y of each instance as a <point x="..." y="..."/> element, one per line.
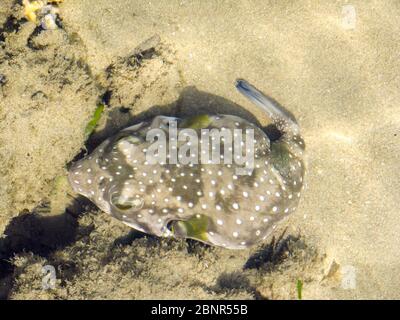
<point x="275" y="111"/>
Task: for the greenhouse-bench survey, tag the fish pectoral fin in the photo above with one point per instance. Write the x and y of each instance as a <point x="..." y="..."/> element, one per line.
<point x="194" y="228"/>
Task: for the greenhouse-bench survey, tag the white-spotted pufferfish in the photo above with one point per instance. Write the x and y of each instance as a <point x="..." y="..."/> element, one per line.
<point x="207" y="202"/>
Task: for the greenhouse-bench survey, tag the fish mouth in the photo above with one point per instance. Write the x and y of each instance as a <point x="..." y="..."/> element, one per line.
<point x="73" y="181"/>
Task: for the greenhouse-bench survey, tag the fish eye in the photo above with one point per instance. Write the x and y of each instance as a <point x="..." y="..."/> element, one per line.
<point x="127" y="203"/>
<point x="132" y="139"/>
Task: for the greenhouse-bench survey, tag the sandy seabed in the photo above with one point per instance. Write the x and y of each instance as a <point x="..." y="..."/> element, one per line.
<point x="341" y="82"/>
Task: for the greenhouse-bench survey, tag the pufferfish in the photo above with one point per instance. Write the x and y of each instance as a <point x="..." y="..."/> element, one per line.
<point x="212" y="202"/>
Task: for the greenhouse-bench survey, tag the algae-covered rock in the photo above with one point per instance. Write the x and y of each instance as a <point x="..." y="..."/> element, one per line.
<point x="105" y="260"/>
<point x="5" y="11"/>
<point x="47" y="96"/>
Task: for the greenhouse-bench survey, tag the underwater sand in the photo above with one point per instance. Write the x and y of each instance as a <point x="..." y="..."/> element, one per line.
<point x="342" y="84"/>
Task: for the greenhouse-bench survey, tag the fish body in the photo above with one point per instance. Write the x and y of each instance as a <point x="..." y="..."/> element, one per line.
<point x="219" y="202"/>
